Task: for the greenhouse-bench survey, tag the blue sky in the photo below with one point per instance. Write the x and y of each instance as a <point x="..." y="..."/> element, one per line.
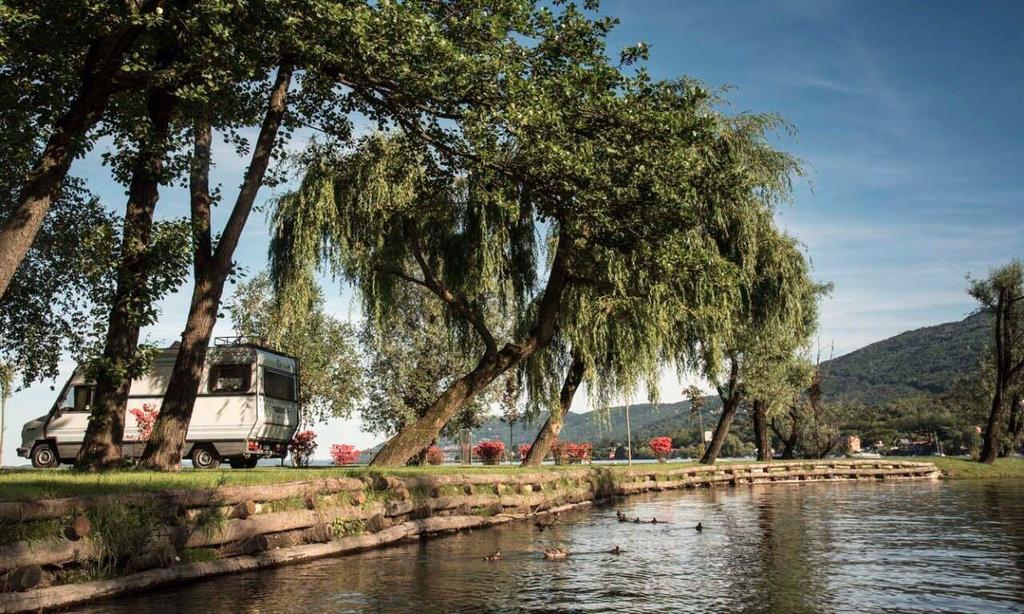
<point x="908" y="120"/>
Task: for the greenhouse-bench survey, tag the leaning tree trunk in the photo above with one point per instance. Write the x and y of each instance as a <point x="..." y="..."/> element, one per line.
<point x="163" y="452"/>
<point x="103" y="438"/>
<point x="414" y="437"/>
<point x="102" y="63"/>
<point x="729" y="406"/>
<point x="556" y="419"/>
<point x="764" y="441"/>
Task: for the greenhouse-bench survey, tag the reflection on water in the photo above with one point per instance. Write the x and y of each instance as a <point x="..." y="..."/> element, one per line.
<point x="926" y="547"/>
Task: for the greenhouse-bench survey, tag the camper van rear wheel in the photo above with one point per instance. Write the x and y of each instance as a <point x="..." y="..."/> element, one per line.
<point x="44" y="456"/>
<point x="204" y="457"/>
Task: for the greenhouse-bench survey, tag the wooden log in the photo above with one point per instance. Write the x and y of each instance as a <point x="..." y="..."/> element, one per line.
<point x="163" y="555"/>
<point x="47" y="551"/>
<point x="247" y="545"/>
<point x="78" y="528"/>
<point x="21" y="578"/>
<point x="234" y="530"/>
<point x="243" y="510"/>
<point x="318" y="534"/>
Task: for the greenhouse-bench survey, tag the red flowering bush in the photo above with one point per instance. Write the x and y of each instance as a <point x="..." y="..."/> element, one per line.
<point x="579" y="452"/>
<point x="560" y="452"/>
<point x="662" y="447"/>
<point x="144" y="418"/>
<point x="435" y="455"/>
<point x="489" y="451"/>
<point x="524" y="450"/>
<point x="302" y="446"/>
<point x="344" y="454"/>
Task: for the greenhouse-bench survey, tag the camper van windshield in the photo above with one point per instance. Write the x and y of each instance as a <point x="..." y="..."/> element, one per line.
<point x="278" y="385"/>
<point x="229" y="378"/>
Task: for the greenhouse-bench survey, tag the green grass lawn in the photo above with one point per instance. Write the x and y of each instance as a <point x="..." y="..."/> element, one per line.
<point x="966" y="469"/>
<point x="28" y="484"/>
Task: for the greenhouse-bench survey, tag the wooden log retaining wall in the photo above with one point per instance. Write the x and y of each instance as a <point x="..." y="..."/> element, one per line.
<point x="238" y="528"/>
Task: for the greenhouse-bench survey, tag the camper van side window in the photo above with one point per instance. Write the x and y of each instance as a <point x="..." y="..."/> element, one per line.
<point x="278" y="385"/>
<point x="229" y="378"/>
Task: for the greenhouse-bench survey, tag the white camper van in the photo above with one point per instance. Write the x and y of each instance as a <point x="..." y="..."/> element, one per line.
<point x="247" y="409"/>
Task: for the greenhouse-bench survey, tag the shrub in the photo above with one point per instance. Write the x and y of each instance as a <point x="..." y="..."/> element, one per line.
<point x="489" y="451"/>
<point x="661" y="447"/>
<point x="344" y="454"/>
<point x="144" y="418"/>
<point x="524" y="450"/>
<point x="302" y="446"/>
<point x="580" y="452"/>
<point x="435" y="455"/>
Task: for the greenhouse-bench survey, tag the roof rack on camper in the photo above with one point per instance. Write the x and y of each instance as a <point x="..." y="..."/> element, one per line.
<point x="239" y="340"/>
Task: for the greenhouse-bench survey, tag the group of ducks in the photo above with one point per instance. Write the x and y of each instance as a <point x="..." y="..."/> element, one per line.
<point x="623" y="518"/>
<point x="554" y="554"/>
<point x="551" y="554"/>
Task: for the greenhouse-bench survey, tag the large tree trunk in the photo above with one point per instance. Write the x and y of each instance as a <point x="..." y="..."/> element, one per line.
<point x="730" y="403"/>
<point x="163" y="452"/>
<point x="102" y="447"/>
<point x="729" y="406"/>
<point x="102" y="63"/>
<point x="417" y="435"/>
<point x="764" y="441"/>
<point x="556" y="419"/>
<point x="1016" y="423"/>
<point x="996" y="417"/>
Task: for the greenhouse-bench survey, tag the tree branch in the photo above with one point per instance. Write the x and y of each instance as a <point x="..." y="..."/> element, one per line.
<point x="258" y="164"/>
<point x="456" y="301"/>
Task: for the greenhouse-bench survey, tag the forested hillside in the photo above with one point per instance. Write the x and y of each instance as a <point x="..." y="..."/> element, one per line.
<point x="922" y="361"/>
<point x="926" y="360"/>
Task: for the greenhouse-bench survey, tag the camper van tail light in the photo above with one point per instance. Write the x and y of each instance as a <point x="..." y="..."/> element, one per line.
<point x="253" y="446"/>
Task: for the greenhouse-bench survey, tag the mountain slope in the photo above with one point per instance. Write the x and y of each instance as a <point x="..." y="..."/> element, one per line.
<point x="922" y="361"/>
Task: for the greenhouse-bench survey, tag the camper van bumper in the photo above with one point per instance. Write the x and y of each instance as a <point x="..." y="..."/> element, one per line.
<point x="23" y="452"/>
<point x="267" y="448"/>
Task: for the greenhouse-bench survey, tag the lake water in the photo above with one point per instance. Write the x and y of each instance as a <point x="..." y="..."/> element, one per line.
<point x="900" y="547"/>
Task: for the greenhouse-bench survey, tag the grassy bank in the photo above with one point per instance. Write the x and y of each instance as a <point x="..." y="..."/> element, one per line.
<point x="964" y="469"/>
<point x="27" y="484"/>
<point x="24" y="484"/>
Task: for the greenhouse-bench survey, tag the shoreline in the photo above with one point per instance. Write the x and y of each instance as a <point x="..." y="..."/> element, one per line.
<point x="276" y="524"/>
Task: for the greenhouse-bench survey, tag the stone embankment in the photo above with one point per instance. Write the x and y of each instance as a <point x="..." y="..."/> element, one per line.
<point x="57" y="552"/>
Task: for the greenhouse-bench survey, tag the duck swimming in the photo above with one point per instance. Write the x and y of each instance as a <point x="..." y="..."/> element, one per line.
<point x="493" y="557"/>
<point x="615" y="550"/>
<point x="555" y="553"/>
<point x="699" y="527"/>
<point x="620" y="516"/>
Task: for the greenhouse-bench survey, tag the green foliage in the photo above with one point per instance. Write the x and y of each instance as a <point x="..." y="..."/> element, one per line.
<point x="926" y="360"/>
<point x="119" y="531"/>
<point x="409" y="363"/>
<point x="294" y="321"/>
<point x="56" y="302"/>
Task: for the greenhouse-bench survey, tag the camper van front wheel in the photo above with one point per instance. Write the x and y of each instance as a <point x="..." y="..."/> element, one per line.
<point x="203" y="457"/>
<point x="44" y="456"/>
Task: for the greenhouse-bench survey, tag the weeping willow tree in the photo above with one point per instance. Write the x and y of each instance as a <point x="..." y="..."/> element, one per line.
<point x="639" y="188"/>
<point x="772" y="322"/>
<point x="675" y="303"/>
